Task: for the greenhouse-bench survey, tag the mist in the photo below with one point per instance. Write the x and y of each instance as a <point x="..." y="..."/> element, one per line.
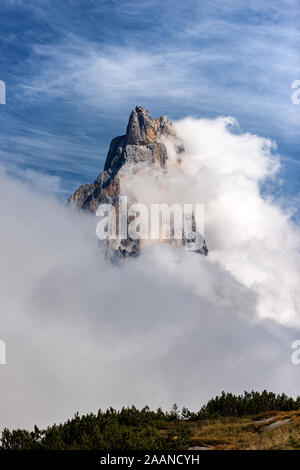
<point x="169" y="326"/>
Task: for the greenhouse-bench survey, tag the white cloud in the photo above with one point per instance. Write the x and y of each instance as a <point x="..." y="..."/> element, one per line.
<point x="216" y="63"/>
<point x="112" y="75"/>
<point x="170" y="326"/>
<point x="248" y="234"/>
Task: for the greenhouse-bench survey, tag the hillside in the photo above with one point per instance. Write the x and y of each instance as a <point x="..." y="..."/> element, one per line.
<point x="250" y="421"/>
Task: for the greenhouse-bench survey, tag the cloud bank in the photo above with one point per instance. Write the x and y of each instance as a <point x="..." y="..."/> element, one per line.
<point x="248" y="234"/>
<point x="170" y="326"/>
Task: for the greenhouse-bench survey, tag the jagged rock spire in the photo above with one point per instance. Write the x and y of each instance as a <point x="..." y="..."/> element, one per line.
<point x="142" y="129"/>
<point x="140" y="143"/>
<point x="139" y="148"/>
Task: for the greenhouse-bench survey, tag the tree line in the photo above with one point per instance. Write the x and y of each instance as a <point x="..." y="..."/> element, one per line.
<point x="134" y="429"/>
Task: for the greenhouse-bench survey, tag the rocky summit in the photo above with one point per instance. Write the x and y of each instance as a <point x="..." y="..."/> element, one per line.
<point x="140" y="147"/>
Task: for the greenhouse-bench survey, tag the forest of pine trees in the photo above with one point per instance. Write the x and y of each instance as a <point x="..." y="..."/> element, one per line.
<point x="133" y="429"/>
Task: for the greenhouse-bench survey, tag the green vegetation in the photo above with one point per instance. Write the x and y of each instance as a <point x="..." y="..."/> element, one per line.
<point x="247" y="404"/>
<point x="217" y="424"/>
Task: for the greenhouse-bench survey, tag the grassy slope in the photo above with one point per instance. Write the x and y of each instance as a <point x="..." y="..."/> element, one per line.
<point x="244" y="434"/>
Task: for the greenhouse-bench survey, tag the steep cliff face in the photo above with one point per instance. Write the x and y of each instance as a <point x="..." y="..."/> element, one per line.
<point x="139" y="148"/>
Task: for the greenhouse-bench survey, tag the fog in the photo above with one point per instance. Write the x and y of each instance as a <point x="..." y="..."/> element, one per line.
<point x="170" y="326"/>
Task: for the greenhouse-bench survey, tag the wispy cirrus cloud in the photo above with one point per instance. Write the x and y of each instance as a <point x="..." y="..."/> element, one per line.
<point x="88" y="64"/>
<point x="220" y="66"/>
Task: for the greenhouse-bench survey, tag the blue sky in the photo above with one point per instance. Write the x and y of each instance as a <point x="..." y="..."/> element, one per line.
<point x="74" y="69"/>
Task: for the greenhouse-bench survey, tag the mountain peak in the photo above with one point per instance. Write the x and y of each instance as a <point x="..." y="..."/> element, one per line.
<point x="141" y="141"/>
<point x="142" y="129"/>
<point x="139" y="146"/>
<point x="139" y="149"/>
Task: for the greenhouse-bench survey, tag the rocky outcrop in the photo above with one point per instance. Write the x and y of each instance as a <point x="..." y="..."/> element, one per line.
<point x="139" y="148"/>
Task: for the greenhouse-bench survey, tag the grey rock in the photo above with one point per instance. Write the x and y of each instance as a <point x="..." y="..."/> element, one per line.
<point x="200" y="448"/>
<point x="142" y="129"/>
<point x="265" y="420"/>
<point x="277" y="424"/>
<point x="139" y="148"/>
